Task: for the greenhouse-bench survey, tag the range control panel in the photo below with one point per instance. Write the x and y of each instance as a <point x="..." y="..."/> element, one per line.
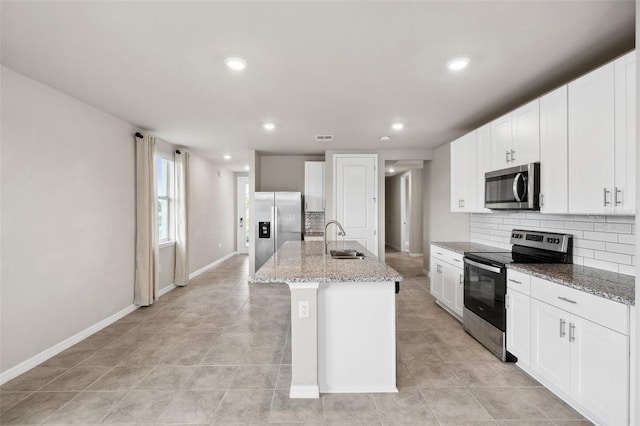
<point x="543" y="240"/>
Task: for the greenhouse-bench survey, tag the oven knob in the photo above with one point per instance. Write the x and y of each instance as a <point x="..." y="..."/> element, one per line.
<point x="549" y="240"/>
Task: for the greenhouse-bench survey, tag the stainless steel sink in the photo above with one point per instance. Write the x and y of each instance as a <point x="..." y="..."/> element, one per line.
<point x="347" y="254"/>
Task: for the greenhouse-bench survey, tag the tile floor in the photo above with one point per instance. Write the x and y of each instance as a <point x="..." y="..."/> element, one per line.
<point x="218" y="352"/>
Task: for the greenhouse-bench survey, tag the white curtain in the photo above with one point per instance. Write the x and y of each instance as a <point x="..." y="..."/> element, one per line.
<point x="147" y="267"/>
<point x="181" y="272"/>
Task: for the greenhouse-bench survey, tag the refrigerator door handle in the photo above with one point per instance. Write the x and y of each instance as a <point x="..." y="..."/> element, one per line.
<point x="274" y="221"/>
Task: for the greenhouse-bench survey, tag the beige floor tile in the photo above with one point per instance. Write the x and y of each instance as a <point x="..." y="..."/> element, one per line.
<point x="107" y="357"/>
<point x="244" y="406"/>
<point x="255" y="377"/>
<point x="192" y="407"/>
<point x="33" y="379"/>
<point x="434" y="374"/>
<point x="121" y="378"/>
<point x="69" y="357"/>
<point x="509" y="403"/>
<point x="76" y="378"/>
<point x="9" y="399"/>
<point x="454" y="404"/>
<point x="288" y="410"/>
<point x="349" y="408"/>
<point x="284" y="377"/>
<point x="36" y="408"/>
<point x="405" y="408"/>
<point x="166" y="377"/>
<point x="140" y="407"/>
<point x="210" y="378"/>
<point x="86" y="408"/>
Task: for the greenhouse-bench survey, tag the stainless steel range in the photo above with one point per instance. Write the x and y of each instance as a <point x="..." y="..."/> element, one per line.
<point x="485" y="283"/>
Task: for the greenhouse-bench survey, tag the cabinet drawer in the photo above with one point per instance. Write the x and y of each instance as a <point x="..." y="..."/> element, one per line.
<point x="602" y="311"/>
<point x="447" y="256"/>
<point x="519" y="281"/>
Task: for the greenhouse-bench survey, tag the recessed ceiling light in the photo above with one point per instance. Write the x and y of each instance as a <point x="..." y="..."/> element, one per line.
<point x="246" y="167"/>
<point x="458" y="64"/>
<point x="385" y="138"/>
<point x="236" y="64"/>
<point x="391" y="170"/>
<point x="397" y="126"/>
<point x="227" y="157"/>
<point x="269" y="126"/>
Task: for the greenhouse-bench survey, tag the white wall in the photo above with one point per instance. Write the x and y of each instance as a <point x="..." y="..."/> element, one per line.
<point x="284" y="172"/>
<point x="439" y="223"/>
<point x="415" y="236"/>
<point x="68" y="217"/>
<point x="211" y="212"/>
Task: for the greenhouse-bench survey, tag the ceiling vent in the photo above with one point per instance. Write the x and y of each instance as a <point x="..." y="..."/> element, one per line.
<point x="324" y="138"/>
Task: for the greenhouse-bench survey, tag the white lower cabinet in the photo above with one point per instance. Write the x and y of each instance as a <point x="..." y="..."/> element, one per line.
<point x="447" y="278"/>
<point x="518" y="326"/>
<point x="584" y="362"/>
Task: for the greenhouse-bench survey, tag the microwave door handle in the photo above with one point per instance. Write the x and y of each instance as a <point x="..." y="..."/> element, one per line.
<point x="482" y="266"/>
<point x="515" y="188"/>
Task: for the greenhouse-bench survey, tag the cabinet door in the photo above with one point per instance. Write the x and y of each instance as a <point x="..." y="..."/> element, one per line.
<point x="591" y="142"/>
<point x="458" y="305"/>
<point x="553" y="152"/>
<point x="550" y="354"/>
<point x="470" y="195"/>
<point x="501" y="142"/>
<point x="600" y="371"/>
<point x="458" y="174"/>
<point x="625" y="134"/>
<point x="314" y="186"/>
<point x="483" y="164"/>
<point x="449" y="286"/>
<point x="437" y="278"/>
<point x="525" y="146"/>
<point x="519" y="326"/>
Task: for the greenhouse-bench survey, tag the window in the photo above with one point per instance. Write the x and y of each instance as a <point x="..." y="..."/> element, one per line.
<point x="164" y="182"/>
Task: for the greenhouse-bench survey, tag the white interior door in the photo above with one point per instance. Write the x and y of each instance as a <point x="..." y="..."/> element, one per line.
<point x="242" y="207"/>
<point x="356" y="204"/>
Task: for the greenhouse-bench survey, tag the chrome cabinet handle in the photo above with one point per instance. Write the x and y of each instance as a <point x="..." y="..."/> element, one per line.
<point x="562" y="328"/>
<point x="572" y="332"/>
<point x="567" y="300"/>
<point x="541" y="200"/>
<point x="456" y="260"/>
<point x="507" y="156"/>
<point x="439" y="253"/>
<point x="615" y="196"/>
<point x="513" y="155"/>
<point x="514" y="281"/>
<point x="461" y="281"/>
<point x="462" y="201"/>
<point x="506" y="299"/>
<point x="605" y="197"/>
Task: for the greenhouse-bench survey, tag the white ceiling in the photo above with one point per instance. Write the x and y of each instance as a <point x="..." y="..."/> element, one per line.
<point x="348" y="69"/>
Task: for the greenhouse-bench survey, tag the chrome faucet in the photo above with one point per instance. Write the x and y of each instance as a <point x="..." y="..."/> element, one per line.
<point x="340" y="232"/>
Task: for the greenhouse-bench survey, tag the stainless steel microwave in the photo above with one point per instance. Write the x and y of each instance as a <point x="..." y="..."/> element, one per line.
<point x="515" y="188"/>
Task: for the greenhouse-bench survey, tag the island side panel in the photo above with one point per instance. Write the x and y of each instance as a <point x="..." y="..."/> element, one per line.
<point x="304" y="342"/>
<point x="357" y="337"/>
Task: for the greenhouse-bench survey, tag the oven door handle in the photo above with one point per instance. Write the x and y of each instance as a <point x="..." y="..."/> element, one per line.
<point x="483" y="266"/>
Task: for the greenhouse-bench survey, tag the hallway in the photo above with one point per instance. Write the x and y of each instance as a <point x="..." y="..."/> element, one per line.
<point x="218" y="352"/>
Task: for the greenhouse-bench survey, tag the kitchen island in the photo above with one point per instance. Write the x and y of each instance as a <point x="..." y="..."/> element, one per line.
<point x="343" y="318"/>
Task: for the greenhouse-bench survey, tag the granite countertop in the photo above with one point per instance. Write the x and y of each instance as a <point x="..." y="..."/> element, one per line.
<point x="463" y="247"/>
<point x="609" y="285"/>
<point x="304" y="261"/>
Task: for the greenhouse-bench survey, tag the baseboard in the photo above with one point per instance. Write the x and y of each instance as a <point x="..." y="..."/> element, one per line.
<point x="211" y="265"/>
<point x="427" y="273"/>
<point x="166" y="290"/>
<point x="393" y="246"/>
<point x="65" y="344"/>
<point x="304" y="391"/>
<point x="415" y="254"/>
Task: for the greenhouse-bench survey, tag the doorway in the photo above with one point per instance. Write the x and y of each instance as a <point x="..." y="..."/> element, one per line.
<point x="242" y="208"/>
<point x="405" y="208"/>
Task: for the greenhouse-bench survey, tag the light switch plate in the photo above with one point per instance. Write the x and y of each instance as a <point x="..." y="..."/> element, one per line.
<point x="303" y="309"/>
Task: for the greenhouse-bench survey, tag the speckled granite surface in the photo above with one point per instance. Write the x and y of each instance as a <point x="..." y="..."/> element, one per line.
<point x="304" y="261"/>
<point x="610" y="285"/>
<point x="466" y="247"/>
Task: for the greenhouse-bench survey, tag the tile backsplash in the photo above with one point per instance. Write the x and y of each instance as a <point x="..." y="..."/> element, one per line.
<point x="604" y="242"/>
<point x="313" y="221"/>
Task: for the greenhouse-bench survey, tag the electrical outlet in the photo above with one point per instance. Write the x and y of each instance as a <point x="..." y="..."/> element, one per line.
<point x="303" y="309"/>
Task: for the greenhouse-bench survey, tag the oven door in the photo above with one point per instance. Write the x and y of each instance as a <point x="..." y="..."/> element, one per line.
<point x="515" y="188"/>
<point x="485" y="288"/>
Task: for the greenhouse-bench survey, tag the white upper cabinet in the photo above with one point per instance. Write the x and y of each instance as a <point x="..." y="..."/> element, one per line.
<point x="553" y="152"/>
<point x="314" y="186"/>
<point x="515" y="137"/>
<point x="625" y="138"/>
<point x="463" y="173"/>
<point x="483" y="164"/>
<point x="602" y="140"/>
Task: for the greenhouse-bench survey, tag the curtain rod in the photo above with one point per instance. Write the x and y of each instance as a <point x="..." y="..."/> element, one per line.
<point x="139" y="135"/>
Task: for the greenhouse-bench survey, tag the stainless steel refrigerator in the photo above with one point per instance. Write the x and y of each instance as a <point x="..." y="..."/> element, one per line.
<point x="278" y="218"/>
